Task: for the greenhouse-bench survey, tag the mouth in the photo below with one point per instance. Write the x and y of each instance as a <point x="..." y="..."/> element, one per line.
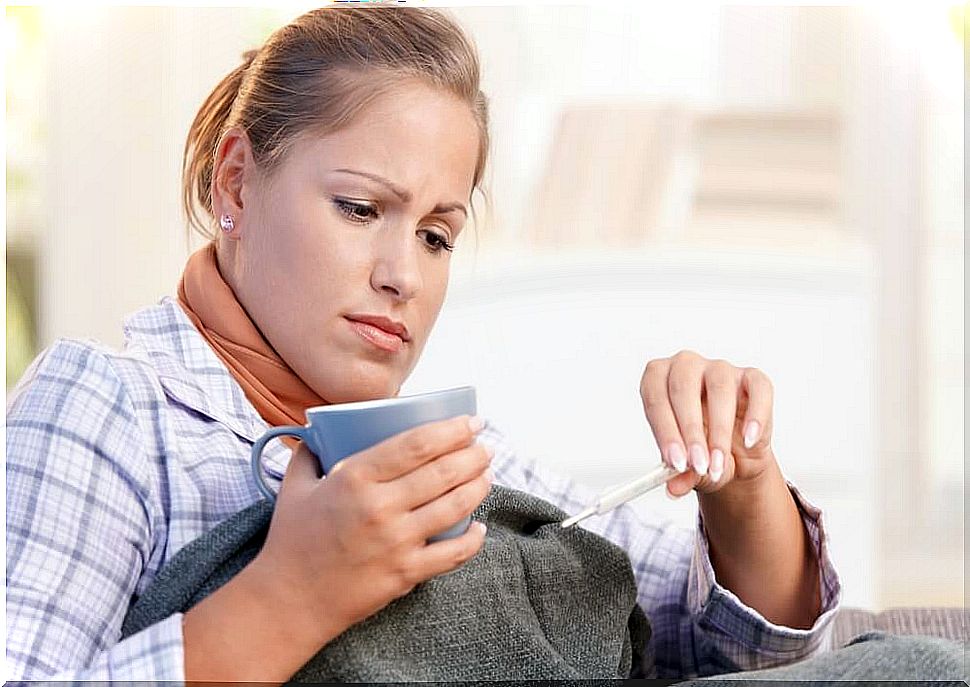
<point x="377" y="336"/>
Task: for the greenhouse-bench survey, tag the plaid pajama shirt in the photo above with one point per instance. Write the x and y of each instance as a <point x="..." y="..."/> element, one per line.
<point x="115" y="461"/>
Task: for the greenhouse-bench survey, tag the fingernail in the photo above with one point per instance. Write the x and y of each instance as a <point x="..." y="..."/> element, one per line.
<point x="717" y="464"/>
<point x="672" y="497"/>
<point x="489" y="450"/>
<point x="475" y="423"/>
<point x="482" y="526"/>
<point x="489" y="475"/>
<point x="677" y="457"/>
<point x="698" y="457"/>
<point x="751" y="433"/>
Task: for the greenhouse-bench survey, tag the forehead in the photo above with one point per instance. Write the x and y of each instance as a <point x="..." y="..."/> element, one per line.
<point x="404" y="134"/>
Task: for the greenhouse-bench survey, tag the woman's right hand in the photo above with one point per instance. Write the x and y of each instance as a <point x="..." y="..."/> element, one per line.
<point x="341" y="548"/>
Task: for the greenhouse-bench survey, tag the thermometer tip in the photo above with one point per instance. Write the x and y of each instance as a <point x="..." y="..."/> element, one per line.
<point x="569" y="522"/>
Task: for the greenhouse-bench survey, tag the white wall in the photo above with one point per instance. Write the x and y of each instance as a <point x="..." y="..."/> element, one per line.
<point x="123" y="86"/>
<point x="537" y="59"/>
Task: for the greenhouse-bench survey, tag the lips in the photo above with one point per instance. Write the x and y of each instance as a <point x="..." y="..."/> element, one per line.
<point x="384" y="323"/>
<point x="379" y="336"/>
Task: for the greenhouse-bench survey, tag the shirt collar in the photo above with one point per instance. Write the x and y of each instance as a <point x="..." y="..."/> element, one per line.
<point x="191" y="373"/>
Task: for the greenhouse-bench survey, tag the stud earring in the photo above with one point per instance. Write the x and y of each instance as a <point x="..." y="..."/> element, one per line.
<point x="227" y="223"/>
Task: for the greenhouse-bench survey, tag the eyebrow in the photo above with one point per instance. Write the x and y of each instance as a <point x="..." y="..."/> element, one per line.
<point x="405" y="197"/>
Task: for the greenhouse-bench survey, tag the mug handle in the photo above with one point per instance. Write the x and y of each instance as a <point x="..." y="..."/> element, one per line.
<point x="286" y="430"/>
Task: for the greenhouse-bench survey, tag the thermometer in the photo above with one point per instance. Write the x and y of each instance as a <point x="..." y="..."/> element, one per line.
<point x="612" y="498"/>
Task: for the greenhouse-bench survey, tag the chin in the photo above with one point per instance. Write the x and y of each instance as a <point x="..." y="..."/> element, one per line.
<point x="362" y="385"/>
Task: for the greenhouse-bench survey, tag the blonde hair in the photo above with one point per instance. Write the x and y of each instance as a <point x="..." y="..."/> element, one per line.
<point x="314" y="74"/>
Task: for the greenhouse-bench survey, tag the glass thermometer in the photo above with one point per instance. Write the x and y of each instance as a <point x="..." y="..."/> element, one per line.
<point x="612" y="498"/>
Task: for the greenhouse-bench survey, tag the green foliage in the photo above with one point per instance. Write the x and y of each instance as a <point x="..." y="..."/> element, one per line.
<point x="20" y="335"/>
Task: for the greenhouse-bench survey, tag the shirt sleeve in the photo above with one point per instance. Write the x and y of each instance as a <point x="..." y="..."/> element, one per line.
<point x="699" y="628"/>
<point x="80" y="527"/>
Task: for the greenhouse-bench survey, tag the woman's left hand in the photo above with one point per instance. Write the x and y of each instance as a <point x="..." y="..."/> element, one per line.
<point x="709" y="418"/>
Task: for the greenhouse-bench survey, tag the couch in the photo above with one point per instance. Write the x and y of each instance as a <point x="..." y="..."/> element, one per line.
<point x="950" y="623"/>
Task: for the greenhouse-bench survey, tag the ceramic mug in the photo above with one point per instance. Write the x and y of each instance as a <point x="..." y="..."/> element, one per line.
<point x="336" y="431"/>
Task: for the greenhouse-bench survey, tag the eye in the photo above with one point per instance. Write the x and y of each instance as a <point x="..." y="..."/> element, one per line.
<point x="436" y="242"/>
<point x="355" y="212"/>
<point x="361" y="213"/>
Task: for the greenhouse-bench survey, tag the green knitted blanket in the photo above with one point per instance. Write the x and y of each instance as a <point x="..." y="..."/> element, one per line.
<point x="536" y="603"/>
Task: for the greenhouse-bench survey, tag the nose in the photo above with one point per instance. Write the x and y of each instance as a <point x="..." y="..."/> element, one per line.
<point x="397" y="268"/>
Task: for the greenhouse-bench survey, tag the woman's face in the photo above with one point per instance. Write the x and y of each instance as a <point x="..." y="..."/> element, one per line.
<point x="351" y="224"/>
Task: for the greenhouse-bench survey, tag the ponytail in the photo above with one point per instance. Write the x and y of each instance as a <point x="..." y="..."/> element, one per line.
<point x="198" y="156"/>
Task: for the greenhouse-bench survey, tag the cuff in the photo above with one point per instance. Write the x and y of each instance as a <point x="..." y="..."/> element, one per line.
<point x="719" y="610"/>
<point x="155" y="653"/>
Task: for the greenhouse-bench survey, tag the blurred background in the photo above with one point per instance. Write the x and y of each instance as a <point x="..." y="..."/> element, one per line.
<point x="778" y="186"/>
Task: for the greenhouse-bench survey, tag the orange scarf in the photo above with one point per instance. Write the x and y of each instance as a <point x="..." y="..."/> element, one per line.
<point x="280" y="397"/>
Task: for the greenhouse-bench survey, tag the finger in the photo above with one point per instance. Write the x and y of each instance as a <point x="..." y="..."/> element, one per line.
<point x="682" y="484"/>
<point x="402" y="453"/>
<point x="684" y="385"/>
<point x="660" y="415"/>
<point x="441" y="475"/>
<point x="438" y="515"/>
<point x="760" y="393"/>
<point x="303" y="470"/>
<point x="446" y="555"/>
<point x="721" y="382"/>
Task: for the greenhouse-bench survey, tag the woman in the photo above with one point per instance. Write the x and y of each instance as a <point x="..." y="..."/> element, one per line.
<point x="339" y="171"/>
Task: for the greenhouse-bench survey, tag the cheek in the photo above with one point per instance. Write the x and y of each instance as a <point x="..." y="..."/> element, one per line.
<point x="306" y="251"/>
<point x="438" y="287"/>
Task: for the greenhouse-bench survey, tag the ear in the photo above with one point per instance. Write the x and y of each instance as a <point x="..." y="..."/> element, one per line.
<point x="233" y="162"/>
